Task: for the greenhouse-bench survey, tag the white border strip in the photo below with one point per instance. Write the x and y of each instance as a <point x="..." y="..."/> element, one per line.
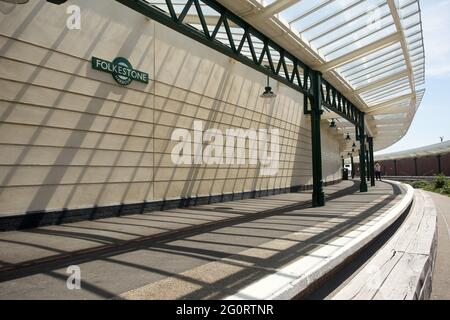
<point x="293" y="279"/>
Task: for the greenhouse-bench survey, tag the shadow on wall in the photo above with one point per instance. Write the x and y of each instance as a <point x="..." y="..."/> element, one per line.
<point x="113" y="158"/>
<point x="235" y="104"/>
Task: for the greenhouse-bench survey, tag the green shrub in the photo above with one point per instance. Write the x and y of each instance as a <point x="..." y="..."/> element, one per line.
<point x="419" y="184"/>
<point x="446" y="189"/>
<point x="440" y="181"/>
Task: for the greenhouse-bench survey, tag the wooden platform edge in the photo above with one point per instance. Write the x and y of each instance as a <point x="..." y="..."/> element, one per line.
<point x="403" y="268"/>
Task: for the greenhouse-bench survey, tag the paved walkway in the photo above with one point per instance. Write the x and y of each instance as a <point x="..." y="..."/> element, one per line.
<point x="206" y="252"/>
<point x="441" y="275"/>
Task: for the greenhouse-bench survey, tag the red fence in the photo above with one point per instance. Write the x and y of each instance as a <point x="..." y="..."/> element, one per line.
<point x="415" y="167"/>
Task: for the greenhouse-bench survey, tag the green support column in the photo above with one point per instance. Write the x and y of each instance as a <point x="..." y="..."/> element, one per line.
<point x="367" y="164"/>
<point x="316" y="113"/>
<point x="362" y="154"/>
<point x="372" y="162"/>
<point x="353" y="167"/>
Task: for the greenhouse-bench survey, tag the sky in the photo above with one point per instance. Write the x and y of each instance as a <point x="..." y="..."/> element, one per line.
<point x="432" y="120"/>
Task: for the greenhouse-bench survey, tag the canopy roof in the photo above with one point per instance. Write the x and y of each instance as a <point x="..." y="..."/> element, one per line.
<point x="370" y="50"/>
<point x="435" y="149"/>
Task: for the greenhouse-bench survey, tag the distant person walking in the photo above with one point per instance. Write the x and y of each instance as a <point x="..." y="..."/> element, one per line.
<point x="378" y="171"/>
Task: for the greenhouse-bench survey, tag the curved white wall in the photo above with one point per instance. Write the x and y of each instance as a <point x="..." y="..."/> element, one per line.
<point x="71" y="137"/>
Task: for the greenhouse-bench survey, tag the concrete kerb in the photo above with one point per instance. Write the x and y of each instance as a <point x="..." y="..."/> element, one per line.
<point x="297" y="277"/>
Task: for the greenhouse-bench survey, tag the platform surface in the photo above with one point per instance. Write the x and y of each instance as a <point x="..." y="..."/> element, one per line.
<point x="441" y="277"/>
<point x="204" y="252"/>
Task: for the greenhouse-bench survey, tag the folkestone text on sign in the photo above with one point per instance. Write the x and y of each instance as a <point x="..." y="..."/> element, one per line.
<point x="121" y="69"/>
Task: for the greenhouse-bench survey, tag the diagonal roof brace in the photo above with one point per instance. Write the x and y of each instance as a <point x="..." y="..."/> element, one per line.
<point x="361" y="52"/>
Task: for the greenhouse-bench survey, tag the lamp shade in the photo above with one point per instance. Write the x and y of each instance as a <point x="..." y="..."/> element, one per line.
<point x="268" y="93"/>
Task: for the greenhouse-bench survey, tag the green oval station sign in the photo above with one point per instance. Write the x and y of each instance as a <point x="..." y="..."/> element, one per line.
<point x="121" y="70"/>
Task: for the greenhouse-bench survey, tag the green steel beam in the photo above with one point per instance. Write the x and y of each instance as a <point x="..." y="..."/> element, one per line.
<point x="232" y="48"/>
<point x="362" y="159"/>
<point x="316" y="113"/>
<point x="367" y="164"/>
<point x="353" y="166"/>
<point x="372" y="162"/>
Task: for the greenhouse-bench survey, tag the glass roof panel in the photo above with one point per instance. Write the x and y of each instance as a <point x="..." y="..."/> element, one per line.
<point x="372" y="58"/>
<point x="375" y="67"/>
<point x="370" y="46"/>
<point x="394" y="84"/>
<point x="358" y="40"/>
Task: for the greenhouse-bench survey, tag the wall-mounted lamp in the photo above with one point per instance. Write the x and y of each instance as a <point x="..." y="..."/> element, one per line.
<point x="333" y="124"/>
<point x="268" y="93"/>
<point x="348" y="137"/>
<point x="354" y="145"/>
